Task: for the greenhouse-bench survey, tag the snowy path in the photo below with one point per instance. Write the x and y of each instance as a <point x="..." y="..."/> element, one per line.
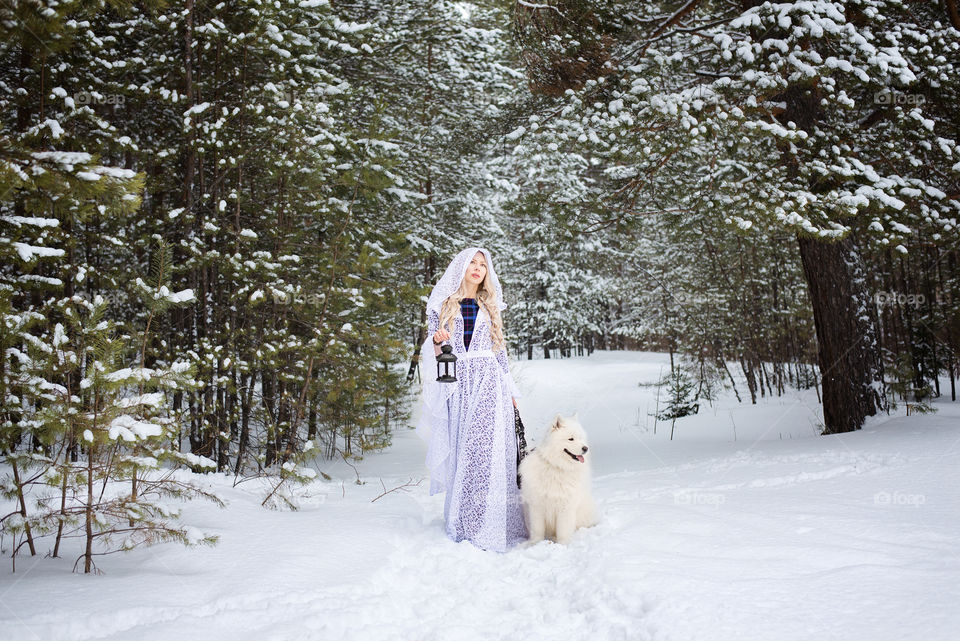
<point x="778" y="535"/>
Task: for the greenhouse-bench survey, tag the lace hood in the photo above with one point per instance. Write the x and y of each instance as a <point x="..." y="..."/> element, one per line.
<point x="449" y="283"/>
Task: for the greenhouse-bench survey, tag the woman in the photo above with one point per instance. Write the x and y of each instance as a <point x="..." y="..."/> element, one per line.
<point x="472" y="444"/>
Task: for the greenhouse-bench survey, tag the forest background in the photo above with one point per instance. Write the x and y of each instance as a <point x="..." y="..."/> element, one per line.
<point x="219" y="220"/>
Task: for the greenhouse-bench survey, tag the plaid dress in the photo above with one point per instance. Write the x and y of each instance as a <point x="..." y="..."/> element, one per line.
<point x="468" y="309"/>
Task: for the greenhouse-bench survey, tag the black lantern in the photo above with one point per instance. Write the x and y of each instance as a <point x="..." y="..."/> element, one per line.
<point x="446" y="359"/>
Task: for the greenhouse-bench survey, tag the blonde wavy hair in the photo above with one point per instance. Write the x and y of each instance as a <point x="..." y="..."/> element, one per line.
<point x="486" y="298"/>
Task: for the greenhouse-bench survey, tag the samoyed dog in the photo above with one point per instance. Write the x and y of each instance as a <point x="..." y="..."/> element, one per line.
<point x="555" y="483"/>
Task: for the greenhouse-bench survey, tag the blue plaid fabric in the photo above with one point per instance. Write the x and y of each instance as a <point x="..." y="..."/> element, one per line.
<point x="468" y="309"/>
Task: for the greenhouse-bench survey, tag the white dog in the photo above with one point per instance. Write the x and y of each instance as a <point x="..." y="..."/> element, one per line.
<point x="555" y="483"/>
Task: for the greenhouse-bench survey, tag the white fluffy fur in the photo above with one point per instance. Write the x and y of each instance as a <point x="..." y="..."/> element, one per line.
<point x="555" y="486"/>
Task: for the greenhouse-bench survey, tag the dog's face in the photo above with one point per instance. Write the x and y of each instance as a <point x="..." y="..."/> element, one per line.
<point x="566" y="442"/>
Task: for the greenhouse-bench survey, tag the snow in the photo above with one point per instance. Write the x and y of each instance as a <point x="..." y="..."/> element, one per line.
<point x="31" y="220"/>
<point x="184" y="296"/>
<point x="132" y="429"/>
<point x="28" y="252"/>
<point x="163" y="293"/>
<point x="55" y="129"/>
<point x="197" y="109"/>
<point x="153" y="399"/>
<point x="199" y="461"/>
<point x="516" y="133"/>
<point x="748" y="525"/>
<point x="66" y="158"/>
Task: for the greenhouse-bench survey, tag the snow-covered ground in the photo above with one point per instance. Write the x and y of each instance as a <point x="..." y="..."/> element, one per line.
<point x="746" y="526"/>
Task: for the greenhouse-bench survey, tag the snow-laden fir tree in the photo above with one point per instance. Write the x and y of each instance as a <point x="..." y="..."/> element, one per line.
<point x="769" y="115"/>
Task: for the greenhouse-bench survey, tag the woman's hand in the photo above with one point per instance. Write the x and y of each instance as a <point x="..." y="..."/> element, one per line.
<point x="515" y="402"/>
<point x="440" y="336"/>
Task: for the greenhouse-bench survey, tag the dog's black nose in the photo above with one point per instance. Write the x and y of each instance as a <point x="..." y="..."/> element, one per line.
<point x="585" y="449"/>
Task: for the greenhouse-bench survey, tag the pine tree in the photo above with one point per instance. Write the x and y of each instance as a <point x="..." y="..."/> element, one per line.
<point x="774" y="123"/>
<point x="681" y="397"/>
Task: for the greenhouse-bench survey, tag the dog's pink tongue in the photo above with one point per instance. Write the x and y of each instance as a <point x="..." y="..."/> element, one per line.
<point x="580" y="458"/>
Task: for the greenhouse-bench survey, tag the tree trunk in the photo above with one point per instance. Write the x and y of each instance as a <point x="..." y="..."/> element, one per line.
<point x="751" y="381"/>
<point x="847" y="348"/>
<point x="88" y="513"/>
<point x="23" y="509"/>
<point x="246" y="402"/>
<point x="733" y="383"/>
<point x="420" y="334"/>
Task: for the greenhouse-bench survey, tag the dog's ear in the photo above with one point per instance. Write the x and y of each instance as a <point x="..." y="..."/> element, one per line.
<point x="576" y="416"/>
<point x="557" y="422"/>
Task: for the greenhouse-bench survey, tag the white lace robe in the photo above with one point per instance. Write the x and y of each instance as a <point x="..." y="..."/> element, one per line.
<point x="472" y="444"/>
